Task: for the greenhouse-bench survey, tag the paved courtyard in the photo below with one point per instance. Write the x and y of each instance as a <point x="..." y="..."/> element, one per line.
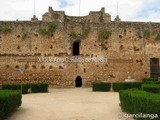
<point x="69" y="104"/>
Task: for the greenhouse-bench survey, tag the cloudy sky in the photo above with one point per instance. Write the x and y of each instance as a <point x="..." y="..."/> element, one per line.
<point x="129" y="10"/>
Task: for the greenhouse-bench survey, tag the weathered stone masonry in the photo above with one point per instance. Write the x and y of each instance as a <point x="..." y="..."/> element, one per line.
<point x="128" y="46"/>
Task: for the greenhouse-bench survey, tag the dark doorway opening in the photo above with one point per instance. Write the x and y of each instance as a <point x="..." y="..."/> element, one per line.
<point x="78" y="81"/>
<point x="154" y="67"/>
<point x="76" y="50"/>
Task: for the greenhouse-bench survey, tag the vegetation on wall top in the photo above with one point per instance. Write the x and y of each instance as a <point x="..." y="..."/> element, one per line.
<point x="158" y="37"/>
<point x="74" y="35"/>
<point x="146" y="34"/>
<point x="49" y="31"/>
<point x="83" y="35"/>
<point x="104" y="34"/>
<point x="5" y="30"/>
<point x="86" y="32"/>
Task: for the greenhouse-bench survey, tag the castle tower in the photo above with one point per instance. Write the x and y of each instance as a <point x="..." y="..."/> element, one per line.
<point x="93" y="17"/>
<point x="117" y="19"/>
<point x="34" y="19"/>
<point x="53" y="16"/>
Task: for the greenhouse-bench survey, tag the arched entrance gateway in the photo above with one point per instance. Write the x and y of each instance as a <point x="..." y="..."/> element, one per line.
<point x="78" y="81"/>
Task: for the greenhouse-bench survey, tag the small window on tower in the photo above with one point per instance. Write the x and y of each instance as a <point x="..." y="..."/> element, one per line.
<point x="76" y="50"/>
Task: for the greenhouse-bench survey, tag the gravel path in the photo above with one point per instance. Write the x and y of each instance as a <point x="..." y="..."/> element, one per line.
<point x="69" y="104"/>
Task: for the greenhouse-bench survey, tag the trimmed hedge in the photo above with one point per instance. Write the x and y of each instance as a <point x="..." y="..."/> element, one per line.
<point x="137" y="101"/>
<point x="39" y="87"/>
<point x="117" y="86"/>
<point x="11" y="86"/>
<point x="25" y="87"/>
<point x="101" y="86"/>
<point x="9" y="101"/>
<point x="150" y="79"/>
<point x="152" y="82"/>
<point x="154" y="88"/>
<point x="35" y="87"/>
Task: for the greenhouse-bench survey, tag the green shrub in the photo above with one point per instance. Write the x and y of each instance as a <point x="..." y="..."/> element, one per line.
<point x="104" y="34"/>
<point x="75" y="35"/>
<point x="101" y="86"/>
<point x="117" y="86"/>
<point x="5" y="30"/>
<point x="150" y="79"/>
<point x="9" y="101"/>
<point x="152" y="82"/>
<point x="158" y="37"/>
<point x="49" y="31"/>
<point x="39" y="87"/>
<point x="138" y="101"/>
<point x="25" y="87"/>
<point x="86" y="32"/>
<point x="154" y="88"/>
<point x="0" y="87"/>
<point x="146" y="34"/>
<point x="51" y="28"/>
<point x="35" y="87"/>
<point x="11" y="86"/>
<point x="43" y="32"/>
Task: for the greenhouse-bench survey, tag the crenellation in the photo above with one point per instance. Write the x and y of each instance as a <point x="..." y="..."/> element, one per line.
<point x="93" y="17"/>
<point x="34" y="19"/>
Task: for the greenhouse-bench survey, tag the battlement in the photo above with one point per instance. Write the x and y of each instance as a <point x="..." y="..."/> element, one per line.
<point x="93" y="17"/>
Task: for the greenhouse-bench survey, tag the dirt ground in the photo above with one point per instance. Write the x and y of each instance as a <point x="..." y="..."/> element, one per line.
<point x="69" y="104"/>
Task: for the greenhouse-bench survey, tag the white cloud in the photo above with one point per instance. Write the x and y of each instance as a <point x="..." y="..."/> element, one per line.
<point x="129" y="10"/>
<point x="151" y="16"/>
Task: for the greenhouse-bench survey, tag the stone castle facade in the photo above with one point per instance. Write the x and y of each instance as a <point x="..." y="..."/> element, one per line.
<point x="129" y="48"/>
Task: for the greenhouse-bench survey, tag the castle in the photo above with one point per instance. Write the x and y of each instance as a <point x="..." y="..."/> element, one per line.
<point x="67" y="51"/>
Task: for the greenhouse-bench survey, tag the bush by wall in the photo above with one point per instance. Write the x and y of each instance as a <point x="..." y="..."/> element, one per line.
<point x="101" y="86"/>
<point x="39" y="87"/>
<point x="154" y="88"/>
<point x="137" y="101"/>
<point x="9" y="101"/>
<point x="152" y="82"/>
<point x="25" y="87"/>
<point x="11" y="86"/>
<point x="117" y="86"/>
<point x="150" y="79"/>
<point x="35" y="87"/>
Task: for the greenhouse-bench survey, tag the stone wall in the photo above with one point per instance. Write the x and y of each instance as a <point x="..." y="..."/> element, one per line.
<point x="127" y="50"/>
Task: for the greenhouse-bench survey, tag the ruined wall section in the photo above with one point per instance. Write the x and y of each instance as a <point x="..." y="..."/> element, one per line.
<point x="93" y="17"/>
